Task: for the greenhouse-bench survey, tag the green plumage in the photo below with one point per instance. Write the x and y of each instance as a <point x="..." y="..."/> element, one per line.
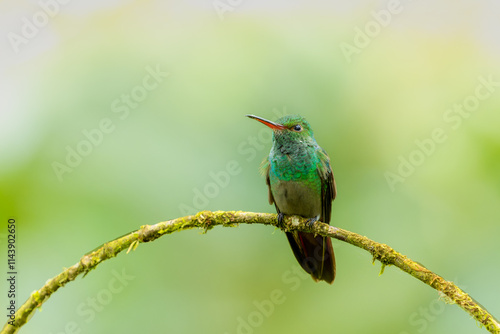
<point x="300" y="182"/>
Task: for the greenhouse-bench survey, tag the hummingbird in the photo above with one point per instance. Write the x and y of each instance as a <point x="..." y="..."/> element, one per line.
<point x="300" y="182"/>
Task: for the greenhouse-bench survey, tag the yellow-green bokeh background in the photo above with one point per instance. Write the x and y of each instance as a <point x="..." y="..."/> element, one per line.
<point x="259" y="59"/>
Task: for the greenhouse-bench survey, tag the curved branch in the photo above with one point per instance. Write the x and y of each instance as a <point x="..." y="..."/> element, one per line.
<point x="207" y="220"/>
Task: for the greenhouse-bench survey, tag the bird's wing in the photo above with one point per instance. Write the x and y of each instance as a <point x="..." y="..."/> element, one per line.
<point x="328" y="187"/>
<point x="265" y="166"/>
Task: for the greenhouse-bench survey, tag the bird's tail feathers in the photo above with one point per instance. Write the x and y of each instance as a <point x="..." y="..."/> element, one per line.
<point x="314" y="254"/>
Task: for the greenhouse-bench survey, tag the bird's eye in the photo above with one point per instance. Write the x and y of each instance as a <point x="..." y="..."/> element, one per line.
<point x="297" y="128"/>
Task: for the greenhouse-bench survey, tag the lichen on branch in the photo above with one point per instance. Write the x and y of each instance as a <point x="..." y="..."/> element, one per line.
<point x="207" y="220"/>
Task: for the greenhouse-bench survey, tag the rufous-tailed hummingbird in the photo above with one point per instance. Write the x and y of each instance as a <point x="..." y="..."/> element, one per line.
<point x="300" y="182"/>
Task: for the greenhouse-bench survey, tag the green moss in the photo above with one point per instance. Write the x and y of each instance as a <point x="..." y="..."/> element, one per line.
<point x="208" y="220"/>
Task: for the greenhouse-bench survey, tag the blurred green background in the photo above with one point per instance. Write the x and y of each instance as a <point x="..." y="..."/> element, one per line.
<point x="367" y="108"/>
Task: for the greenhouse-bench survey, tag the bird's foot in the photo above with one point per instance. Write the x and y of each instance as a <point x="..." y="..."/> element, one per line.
<point x="281" y="221"/>
<point x="310" y="222"/>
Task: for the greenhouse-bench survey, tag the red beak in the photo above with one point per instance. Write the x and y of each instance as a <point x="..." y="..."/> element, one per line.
<point x="272" y="125"/>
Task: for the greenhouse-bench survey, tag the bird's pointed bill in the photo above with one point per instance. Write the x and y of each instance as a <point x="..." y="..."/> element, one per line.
<point x="272" y="125"/>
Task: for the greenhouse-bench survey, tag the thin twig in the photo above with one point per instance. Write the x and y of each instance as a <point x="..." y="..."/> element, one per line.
<point x="207" y="220"/>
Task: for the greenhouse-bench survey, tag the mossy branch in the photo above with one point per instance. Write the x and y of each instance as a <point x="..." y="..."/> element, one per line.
<point x="207" y="220"/>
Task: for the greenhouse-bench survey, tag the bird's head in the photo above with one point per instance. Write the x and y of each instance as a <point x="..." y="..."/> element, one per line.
<point x="290" y="128"/>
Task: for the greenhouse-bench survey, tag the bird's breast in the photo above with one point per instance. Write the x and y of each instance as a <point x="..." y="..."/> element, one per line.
<point x="296" y="198"/>
<point x="295" y="182"/>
